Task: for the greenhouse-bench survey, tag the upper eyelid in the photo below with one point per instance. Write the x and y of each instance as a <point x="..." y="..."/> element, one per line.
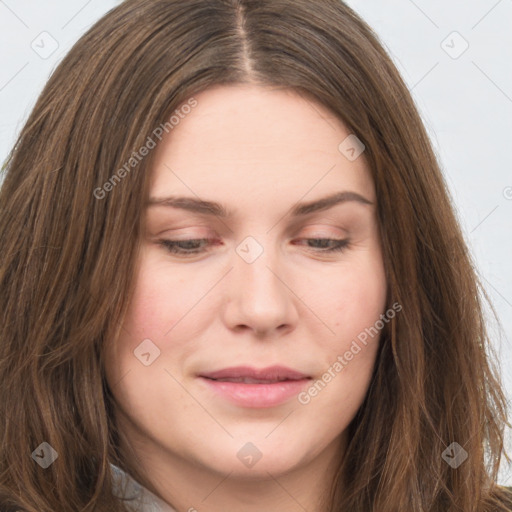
<point x="209" y="240"/>
<point x="293" y="227"/>
<point x="203" y="220"/>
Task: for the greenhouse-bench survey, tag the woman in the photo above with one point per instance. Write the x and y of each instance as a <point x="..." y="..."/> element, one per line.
<point x="232" y="278"/>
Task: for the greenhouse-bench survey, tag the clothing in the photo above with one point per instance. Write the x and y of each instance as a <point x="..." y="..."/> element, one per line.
<point x="139" y="499"/>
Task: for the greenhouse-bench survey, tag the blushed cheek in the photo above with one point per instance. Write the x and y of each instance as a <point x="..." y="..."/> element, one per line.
<point x="359" y="300"/>
<point x="158" y="302"/>
<point x="145" y="317"/>
<point x="167" y="309"/>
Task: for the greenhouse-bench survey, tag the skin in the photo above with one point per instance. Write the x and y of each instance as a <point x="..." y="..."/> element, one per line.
<point x="258" y="151"/>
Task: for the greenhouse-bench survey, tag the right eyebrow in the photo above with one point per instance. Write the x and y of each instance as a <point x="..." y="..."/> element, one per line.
<point x="192" y="204"/>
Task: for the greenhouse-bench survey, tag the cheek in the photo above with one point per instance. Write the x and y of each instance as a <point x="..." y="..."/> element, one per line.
<point x="158" y="311"/>
<point x="160" y="301"/>
<point x="354" y="301"/>
<point x="156" y="306"/>
<point x="352" y="298"/>
<point x="358" y="303"/>
<point x="169" y="307"/>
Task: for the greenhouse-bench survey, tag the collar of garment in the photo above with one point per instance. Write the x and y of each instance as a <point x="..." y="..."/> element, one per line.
<point x="136" y="496"/>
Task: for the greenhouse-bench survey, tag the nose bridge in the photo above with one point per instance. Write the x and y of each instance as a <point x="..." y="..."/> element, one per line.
<point x="255" y="259"/>
<point x="259" y="297"/>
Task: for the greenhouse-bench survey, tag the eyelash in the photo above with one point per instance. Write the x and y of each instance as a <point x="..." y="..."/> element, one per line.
<point x="173" y="246"/>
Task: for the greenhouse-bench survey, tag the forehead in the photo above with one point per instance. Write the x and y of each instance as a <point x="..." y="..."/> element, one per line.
<point x="247" y="142"/>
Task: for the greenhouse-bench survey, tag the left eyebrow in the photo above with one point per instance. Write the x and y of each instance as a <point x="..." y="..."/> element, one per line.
<point x="204" y="207"/>
<point x="325" y="203"/>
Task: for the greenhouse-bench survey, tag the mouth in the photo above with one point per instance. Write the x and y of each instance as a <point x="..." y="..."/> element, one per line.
<point x="255" y="388"/>
<point x="249" y="380"/>
<point x="247" y="373"/>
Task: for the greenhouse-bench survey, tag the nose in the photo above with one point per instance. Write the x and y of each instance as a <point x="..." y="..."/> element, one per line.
<point x="260" y="296"/>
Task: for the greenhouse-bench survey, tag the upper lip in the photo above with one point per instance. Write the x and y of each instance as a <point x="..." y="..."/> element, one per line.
<point x="272" y="373"/>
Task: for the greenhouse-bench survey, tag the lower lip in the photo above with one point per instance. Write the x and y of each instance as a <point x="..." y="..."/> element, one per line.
<point x="257" y="395"/>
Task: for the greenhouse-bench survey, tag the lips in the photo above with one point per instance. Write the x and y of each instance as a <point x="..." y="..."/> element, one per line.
<point x="249" y="375"/>
<point x="249" y="387"/>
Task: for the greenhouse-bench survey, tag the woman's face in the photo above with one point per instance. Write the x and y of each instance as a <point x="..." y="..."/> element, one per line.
<point x="255" y="290"/>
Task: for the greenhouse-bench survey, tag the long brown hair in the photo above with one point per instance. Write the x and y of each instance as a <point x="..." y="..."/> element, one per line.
<point x="69" y="244"/>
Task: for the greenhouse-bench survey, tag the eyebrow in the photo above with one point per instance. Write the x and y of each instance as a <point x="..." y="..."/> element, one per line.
<point x="204" y="207"/>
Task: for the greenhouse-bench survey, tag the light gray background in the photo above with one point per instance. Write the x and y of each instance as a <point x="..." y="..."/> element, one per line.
<point x="464" y="96"/>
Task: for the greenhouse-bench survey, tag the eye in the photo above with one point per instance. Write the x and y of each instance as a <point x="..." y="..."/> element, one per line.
<point x="195" y="246"/>
<point x="184" y="247"/>
<point x="327" y="244"/>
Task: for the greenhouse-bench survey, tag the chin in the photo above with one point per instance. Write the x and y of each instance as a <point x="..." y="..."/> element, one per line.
<point x="256" y="459"/>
